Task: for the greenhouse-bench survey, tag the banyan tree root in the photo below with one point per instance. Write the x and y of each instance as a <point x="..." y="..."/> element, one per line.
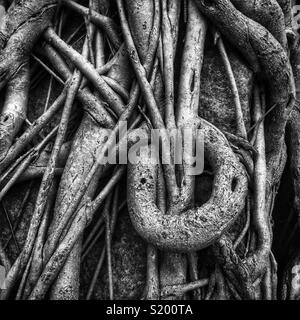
<point x="33" y="277"/>
<point x="81" y="220"/>
<point x="173" y="266"/>
<point x="14" y="109"/>
<point x="74" y="202"/>
<point x="146" y="14"/>
<point x="241" y="33"/>
<point x="268" y="14"/>
<point x="67" y="284"/>
<point x="196" y="228"/>
<point x="267" y="57"/>
<point x="173" y="269"/>
<point x="161" y="199"/>
<point x="20" y="28"/>
<point x="256" y="265"/>
<point x="22" y="25"/>
<point x="87" y="143"/>
<point x="66" y="287"/>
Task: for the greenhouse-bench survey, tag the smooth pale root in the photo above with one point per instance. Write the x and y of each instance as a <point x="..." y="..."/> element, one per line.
<point x="196" y="228"/>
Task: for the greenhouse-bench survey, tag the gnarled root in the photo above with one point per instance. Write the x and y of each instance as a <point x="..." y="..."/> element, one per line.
<point x="80" y="161"/>
<point x="196" y="228"/>
<point x="19" y="30"/>
<point x="266" y="55"/>
<point x="267" y="13"/>
<point x="89" y="140"/>
<point x="23" y="24"/>
<point x="14" y="109"/>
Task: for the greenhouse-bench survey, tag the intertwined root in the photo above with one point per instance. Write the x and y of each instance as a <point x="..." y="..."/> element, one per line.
<point x="258" y="30"/>
<point x="267" y="57"/>
<point x="196" y="228"/>
<point x="23" y="24"/>
<point x="267" y="13"/>
<point x="20" y="28"/>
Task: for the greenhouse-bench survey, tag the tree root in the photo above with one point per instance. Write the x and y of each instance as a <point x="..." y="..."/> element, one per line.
<point x="194" y="229"/>
<point x="15" y="109"/>
<point x="23" y="24"/>
<point x="264" y="54"/>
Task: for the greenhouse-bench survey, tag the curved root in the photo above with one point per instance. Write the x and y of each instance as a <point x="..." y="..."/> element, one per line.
<point x="266" y="55"/>
<point x="22" y="26"/>
<point x="196" y="228"/>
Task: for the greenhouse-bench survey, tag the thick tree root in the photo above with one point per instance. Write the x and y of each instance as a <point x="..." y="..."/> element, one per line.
<point x="152" y="80"/>
<point x="267" y="13"/>
<point x="266" y="55"/>
<point x="15" y="109"/>
<point x="23" y="24"/>
<point x="197" y="228"/>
